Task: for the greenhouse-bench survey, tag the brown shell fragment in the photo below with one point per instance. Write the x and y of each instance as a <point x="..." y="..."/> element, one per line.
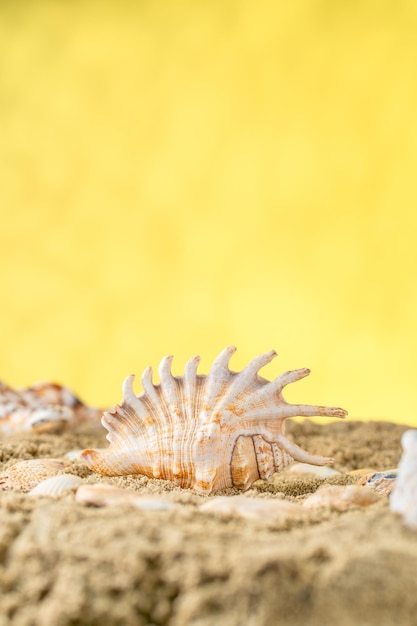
<point x="381" y="482"/>
<point x="340" y="498"/>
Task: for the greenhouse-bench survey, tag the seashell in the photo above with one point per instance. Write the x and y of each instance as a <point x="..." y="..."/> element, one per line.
<point x="403" y="498"/>
<point x="306" y="468"/>
<point x="339" y="498"/>
<point x="259" y="509"/>
<point x="381" y="482"/>
<point x="56" y="485"/>
<point x="44" y="407"/>
<point x="205" y="432"/>
<point x="25" y="475"/>
<point x="108" y="495"/>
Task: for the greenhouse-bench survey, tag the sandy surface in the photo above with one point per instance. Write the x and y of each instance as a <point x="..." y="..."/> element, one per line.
<point x="62" y="563"/>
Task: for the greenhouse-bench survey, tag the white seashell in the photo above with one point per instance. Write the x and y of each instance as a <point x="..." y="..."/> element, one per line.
<point x="403" y="499"/>
<point x="108" y="495"/>
<point x="260" y="509"/>
<point x="25" y="475"/>
<point x="339" y="498"/>
<point x="56" y="485"/>
<point x="307" y="468"/>
<point x="205" y="432"/>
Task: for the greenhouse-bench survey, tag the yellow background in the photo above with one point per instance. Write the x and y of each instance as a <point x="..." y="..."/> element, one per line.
<point x="176" y="177"/>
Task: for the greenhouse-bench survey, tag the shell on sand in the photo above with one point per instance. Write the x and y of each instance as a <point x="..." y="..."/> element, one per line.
<point x="56" y="485"/>
<point x="25" y="475"/>
<point x="382" y="482"/>
<point x="205" y="432"/>
<point x="108" y="495"/>
<point x="403" y="499"/>
<point x="261" y="509"/>
<point x="322" y="471"/>
<point x="339" y="498"/>
<point x="44" y="407"/>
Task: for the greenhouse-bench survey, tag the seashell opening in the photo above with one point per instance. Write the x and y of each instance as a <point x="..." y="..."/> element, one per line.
<point x="205" y="432"/>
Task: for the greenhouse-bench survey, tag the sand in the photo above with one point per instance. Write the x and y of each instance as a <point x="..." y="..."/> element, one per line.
<point x="62" y="563"/>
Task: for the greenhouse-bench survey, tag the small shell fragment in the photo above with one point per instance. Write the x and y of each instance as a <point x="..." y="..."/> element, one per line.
<point x="25" y="475"/>
<point x="339" y="498"/>
<point x="321" y="471"/>
<point x="381" y="482"/>
<point x="56" y="485"/>
<point x="252" y="508"/>
<point x="403" y="499"/>
<point x="108" y="495"/>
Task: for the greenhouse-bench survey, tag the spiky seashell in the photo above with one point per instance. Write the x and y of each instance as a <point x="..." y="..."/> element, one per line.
<point x="109" y="495"/>
<point x="25" y="475"/>
<point x="259" y="509"/>
<point x="205" y="432"/>
<point x="381" y="482"/>
<point x="403" y="499"/>
<point x="56" y="485"/>
<point x="339" y="498"/>
<point x="44" y="407"/>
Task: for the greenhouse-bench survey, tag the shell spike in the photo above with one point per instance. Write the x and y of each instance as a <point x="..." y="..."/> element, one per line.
<point x="164" y="370"/>
<point x="308" y="410"/>
<point x="250" y="371"/>
<point x="147" y="383"/>
<point x="220" y="365"/>
<point x="190" y="370"/>
<point x="128" y="394"/>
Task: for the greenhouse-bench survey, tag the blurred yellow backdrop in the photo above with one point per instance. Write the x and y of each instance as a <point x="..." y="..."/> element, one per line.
<point x="176" y="177"/>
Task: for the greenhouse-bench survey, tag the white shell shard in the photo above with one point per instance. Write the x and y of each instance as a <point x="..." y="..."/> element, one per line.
<point x="306" y="468"/>
<point x="403" y="499"/>
<point x="108" y="495"/>
<point x="340" y="498"/>
<point x="192" y="429"/>
<point x="56" y="485"/>
<point x="25" y="475"/>
<point x="259" y="509"/>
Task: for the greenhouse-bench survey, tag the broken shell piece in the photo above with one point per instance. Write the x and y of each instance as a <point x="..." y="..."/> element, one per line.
<point x="306" y="468"/>
<point x="108" y="495"/>
<point x="253" y="508"/>
<point x="56" y="485"/>
<point x="339" y="498"/>
<point x="381" y="482"/>
<point x="25" y="475"/>
<point x="189" y="429"/>
<point x="403" y="499"/>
